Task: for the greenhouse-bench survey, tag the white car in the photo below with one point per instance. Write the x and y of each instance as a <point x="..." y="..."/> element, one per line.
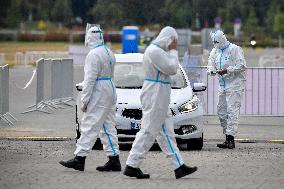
<point x="186" y="108"/>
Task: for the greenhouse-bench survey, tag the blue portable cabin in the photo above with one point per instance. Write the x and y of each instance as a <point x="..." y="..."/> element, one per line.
<point x="130" y="39"/>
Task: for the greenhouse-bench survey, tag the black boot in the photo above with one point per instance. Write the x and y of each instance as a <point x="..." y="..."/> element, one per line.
<point x="135" y="172"/>
<point x="77" y="163"/>
<point x="184" y="170"/>
<point x="113" y="164"/>
<point x="224" y="144"/>
<point x="229" y="143"/>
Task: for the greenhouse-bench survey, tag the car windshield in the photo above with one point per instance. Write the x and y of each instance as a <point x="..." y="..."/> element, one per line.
<point x="131" y="75"/>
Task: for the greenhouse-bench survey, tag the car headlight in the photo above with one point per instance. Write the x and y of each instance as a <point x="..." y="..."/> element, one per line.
<point x="187" y="129"/>
<point x="189" y="106"/>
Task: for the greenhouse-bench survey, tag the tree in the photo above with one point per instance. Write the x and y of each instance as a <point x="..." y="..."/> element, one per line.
<point x="62" y="11"/>
<point x="81" y="9"/>
<point x="3" y="12"/>
<point x="176" y="13"/>
<point x="279" y="26"/>
<point x="17" y="12"/>
<point x="107" y="13"/>
<point x="270" y="14"/>
<point x="251" y="24"/>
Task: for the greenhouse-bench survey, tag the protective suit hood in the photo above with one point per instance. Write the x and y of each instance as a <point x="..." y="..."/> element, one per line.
<point x="219" y="39"/>
<point x="94" y="37"/>
<point x="165" y="37"/>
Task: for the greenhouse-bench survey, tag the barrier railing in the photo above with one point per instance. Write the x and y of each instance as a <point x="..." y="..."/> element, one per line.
<point x="54" y="85"/>
<point x="32" y="56"/>
<point x="263" y="91"/>
<point x="5" y="115"/>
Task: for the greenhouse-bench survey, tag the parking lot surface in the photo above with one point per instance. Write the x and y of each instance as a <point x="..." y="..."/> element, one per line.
<point x="34" y="164"/>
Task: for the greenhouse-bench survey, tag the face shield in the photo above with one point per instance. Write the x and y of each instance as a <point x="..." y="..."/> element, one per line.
<point x="94" y="35"/>
<point x="219" y="39"/>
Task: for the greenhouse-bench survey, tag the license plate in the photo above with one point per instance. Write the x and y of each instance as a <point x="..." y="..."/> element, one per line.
<point x="135" y="124"/>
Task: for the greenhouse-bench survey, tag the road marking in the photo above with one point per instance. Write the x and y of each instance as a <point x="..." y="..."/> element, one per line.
<point x="246" y="140"/>
<point x="59" y="138"/>
<point x="276" y="141"/>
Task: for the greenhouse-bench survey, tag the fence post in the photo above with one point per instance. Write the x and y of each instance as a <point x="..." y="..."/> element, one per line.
<point x="62" y="81"/>
<point x="4" y="96"/>
<point x="67" y="77"/>
<point x="40" y="103"/>
<point x="56" y="77"/>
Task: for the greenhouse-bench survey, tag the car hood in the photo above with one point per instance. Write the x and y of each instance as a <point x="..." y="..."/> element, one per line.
<point x="132" y="96"/>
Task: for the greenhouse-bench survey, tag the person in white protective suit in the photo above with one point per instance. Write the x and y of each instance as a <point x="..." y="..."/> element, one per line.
<point x="99" y="101"/>
<point x="160" y="62"/>
<point x="227" y="60"/>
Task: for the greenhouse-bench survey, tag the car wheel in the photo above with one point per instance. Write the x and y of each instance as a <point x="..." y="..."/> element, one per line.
<point x="195" y="144"/>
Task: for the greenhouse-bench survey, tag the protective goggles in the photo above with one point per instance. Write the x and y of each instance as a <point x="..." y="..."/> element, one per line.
<point x="215" y="42"/>
<point x="97" y="31"/>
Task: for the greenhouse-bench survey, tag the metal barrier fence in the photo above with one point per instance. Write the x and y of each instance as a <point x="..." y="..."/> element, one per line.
<point x="31" y="56"/>
<point x="263" y="93"/>
<point x="54" y="85"/>
<point x="78" y="54"/>
<point x="4" y="96"/>
<point x="184" y="40"/>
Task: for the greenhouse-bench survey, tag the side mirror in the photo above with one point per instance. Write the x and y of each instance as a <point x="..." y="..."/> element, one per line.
<point x="199" y="87"/>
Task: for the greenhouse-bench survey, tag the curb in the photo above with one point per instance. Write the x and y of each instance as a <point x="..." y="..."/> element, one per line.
<point x="35" y="138"/>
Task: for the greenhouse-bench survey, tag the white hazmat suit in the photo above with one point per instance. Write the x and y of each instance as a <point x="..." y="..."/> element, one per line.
<point x="99" y="95"/>
<point x="226" y="55"/>
<point x="159" y="64"/>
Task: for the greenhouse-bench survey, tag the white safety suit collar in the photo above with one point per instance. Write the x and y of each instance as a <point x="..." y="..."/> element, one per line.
<point x="219" y="40"/>
<point x="226" y="47"/>
<point x="165" y="38"/>
<point x="94" y="37"/>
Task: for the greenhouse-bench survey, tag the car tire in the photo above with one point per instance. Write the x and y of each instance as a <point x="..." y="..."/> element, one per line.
<point x="195" y="144"/>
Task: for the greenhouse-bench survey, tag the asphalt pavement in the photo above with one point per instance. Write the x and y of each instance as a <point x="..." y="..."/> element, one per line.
<point x="34" y="164"/>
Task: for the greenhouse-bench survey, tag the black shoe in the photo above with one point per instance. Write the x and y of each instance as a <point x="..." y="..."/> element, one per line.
<point x="223" y="145"/>
<point x="184" y="170"/>
<point x="113" y="164"/>
<point x="77" y="163"/>
<point x="135" y="172"/>
<point x="229" y="143"/>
